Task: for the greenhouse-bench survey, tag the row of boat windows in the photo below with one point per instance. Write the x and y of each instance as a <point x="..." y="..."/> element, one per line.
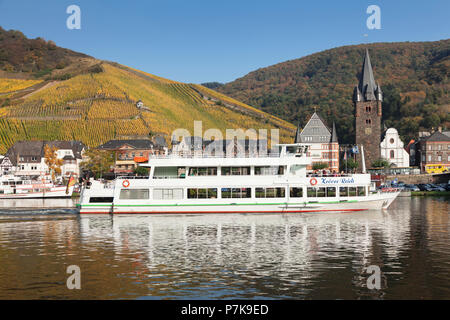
<point x="12" y="183"/>
<point x="237" y="171"/>
<point x="239" y="193"/>
<point x="30" y="190"/>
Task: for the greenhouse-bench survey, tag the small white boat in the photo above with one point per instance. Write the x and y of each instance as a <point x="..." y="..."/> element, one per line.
<point x="269" y="183"/>
<point x="15" y="187"/>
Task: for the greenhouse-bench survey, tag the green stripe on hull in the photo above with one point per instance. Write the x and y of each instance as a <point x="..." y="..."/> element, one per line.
<point x="215" y="204"/>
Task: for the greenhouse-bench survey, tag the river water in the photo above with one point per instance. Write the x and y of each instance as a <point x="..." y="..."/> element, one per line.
<point x="293" y="256"/>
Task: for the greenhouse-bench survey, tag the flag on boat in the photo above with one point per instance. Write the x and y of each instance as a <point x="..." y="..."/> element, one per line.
<point x="70" y="183"/>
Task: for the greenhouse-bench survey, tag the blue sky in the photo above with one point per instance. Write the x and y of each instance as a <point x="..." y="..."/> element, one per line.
<point x="209" y="40"/>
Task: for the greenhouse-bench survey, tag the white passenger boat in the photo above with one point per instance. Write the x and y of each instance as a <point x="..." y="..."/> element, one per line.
<point x="270" y="183"/>
<point x="16" y="187"/>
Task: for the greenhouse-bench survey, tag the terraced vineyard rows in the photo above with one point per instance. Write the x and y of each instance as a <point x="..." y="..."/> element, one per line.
<point x="111" y="109"/>
<point x="91" y="132"/>
<point x="97" y="107"/>
<point x="11" y="85"/>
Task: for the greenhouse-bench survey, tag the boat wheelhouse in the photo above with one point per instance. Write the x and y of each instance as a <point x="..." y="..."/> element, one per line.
<point x="269" y="183"/>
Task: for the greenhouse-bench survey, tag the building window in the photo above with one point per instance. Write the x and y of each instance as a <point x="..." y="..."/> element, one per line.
<point x="368" y="121"/>
<point x="429" y="158"/>
<point x="439" y="158"/>
<point x="392" y="155"/>
<point x="391" y="141"/>
<point x="368" y="109"/>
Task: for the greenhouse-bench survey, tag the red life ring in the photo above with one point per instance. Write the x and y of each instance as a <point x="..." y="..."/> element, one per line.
<point x="126" y="183"/>
<point x="313" y="181"/>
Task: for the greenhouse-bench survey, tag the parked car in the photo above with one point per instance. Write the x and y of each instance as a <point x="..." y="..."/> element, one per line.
<point x="411" y="187"/>
<point x="422" y="187"/>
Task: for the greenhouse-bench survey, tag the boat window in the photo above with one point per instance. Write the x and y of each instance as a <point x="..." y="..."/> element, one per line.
<point x="296" y="192"/>
<point x="166" y="173"/>
<point x="331" y="192"/>
<point x="270" y="192"/>
<point x="235" y="171"/>
<point x="167" y="194"/>
<point x="352" y="191"/>
<point x="236" y="193"/>
<point x="343" y="191"/>
<point x="361" y="191"/>
<point x="321" y="192"/>
<point x="203" y="171"/>
<point x="270" y="170"/>
<point x="100" y="199"/>
<point x="202" y="193"/>
<point x="134" y="194"/>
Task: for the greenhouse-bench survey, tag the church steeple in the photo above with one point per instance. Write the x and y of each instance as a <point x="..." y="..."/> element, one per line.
<point x="367" y="89"/>
<point x="334" y="137"/>
<point x="297" y="134"/>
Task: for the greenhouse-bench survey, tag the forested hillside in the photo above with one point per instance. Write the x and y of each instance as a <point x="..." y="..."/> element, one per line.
<point x="414" y="77"/>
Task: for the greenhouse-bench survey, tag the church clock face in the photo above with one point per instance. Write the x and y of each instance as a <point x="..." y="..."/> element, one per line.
<point x="368" y="131"/>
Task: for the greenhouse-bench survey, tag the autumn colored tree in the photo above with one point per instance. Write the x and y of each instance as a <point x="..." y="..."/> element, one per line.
<point x="51" y="160"/>
<point x="98" y="161"/>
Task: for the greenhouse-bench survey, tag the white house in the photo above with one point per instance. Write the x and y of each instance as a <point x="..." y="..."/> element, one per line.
<point x="392" y="149"/>
<point x="27" y="157"/>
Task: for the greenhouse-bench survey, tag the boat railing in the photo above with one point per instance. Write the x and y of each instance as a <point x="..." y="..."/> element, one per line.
<point x="223" y="155"/>
<point x="328" y="175"/>
<point x="132" y="177"/>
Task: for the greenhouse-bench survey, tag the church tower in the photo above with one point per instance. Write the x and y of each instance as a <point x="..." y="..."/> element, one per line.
<point x="367" y="98"/>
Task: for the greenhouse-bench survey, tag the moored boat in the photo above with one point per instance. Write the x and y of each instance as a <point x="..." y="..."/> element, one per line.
<point x="15" y="187"/>
<point x="268" y="183"/>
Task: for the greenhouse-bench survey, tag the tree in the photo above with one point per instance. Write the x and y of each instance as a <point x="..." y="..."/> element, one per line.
<point x="141" y="171"/>
<point x="51" y="160"/>
<point x="319" y="165"/>
<point x="98" y="161"/>
<point x="381" y="163"/>
<point x="349" y="164"/>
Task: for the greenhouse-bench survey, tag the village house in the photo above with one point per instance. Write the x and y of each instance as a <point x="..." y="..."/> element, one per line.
<point x="197" y="146"/>
<point x="27" y="158"/>
<point x="434" y="149"/>
<point x="129" y="153"/>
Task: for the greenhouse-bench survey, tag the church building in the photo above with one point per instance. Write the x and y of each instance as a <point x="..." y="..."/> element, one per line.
<point x="324" y="145"/>
<point x="367" y="98"/>
<point x="392" y="149"/>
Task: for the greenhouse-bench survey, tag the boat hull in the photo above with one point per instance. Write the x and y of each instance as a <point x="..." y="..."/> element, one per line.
<point x="379" y="203"/>
<point x="56" y="192"/>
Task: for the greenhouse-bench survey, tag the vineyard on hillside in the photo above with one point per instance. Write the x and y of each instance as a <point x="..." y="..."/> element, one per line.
<point x="11" y="85"/>
<point x="99" y="106"/>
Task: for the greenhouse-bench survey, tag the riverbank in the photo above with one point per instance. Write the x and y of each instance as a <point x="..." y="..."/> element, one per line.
<point x="431" y="193"/>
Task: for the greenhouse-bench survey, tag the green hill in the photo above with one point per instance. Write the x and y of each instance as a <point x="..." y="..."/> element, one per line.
<point x="55" y="93"/>
<point x="414" y="77"/>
